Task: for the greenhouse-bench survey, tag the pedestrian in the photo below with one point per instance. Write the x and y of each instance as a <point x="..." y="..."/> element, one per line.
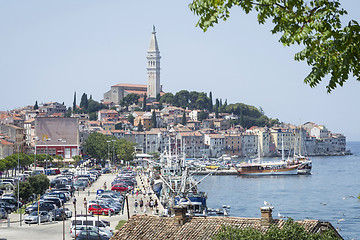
<point x="156" y="204"/>
<point x="147" y="204"/>
<point x="151" y="204"/>
<point x="74" y="200"/>
<point x="136" y="205"/>
<point x="105" y="186"/>
<point x="85" y="203"/>
<point x="141" y="203"/>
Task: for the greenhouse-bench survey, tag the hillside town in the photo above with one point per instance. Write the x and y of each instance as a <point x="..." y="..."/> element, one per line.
<point x="210" y="138"/>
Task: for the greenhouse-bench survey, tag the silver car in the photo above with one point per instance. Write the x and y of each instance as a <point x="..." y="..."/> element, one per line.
<point x="34" y="218"/>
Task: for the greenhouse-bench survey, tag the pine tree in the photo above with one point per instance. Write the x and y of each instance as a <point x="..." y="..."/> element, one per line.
<point x="84" y="103"/>
<point x="158" y="96"/>
<point x="183" y="121"/>
<point x="74" y="103"/>
<point x="153" y="120"/>
<point x="36" y="106"/>
<point x="140" y="127"/>
<point x="210" y="108"/>
<point x="216" y="111"/>
<point x="144" y="103"/>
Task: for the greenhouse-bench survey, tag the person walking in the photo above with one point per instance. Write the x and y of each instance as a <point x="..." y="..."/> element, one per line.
<point x="136" y="205"/>
<point x="141" y="203"/>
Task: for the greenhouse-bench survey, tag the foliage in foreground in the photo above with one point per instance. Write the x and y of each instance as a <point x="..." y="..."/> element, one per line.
<point x="120" y="224"/>
<point x="291" y="230"/>
<point x="315" y="25"/>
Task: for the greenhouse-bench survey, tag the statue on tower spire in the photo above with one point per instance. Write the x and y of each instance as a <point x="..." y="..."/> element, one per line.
<point x="154" y="29"/>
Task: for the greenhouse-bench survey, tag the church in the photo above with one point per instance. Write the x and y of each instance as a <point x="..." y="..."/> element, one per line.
<point x="153" y="87"/>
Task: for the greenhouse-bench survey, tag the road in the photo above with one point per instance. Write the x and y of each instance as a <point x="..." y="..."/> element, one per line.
<point x="54" y="230"/>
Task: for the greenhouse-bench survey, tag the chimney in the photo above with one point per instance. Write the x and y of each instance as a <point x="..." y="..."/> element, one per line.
<point x="266" y="216"/>
<point x="180" y="215"/>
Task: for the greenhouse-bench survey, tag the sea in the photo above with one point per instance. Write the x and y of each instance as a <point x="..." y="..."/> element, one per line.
<point x="328" y="194"/>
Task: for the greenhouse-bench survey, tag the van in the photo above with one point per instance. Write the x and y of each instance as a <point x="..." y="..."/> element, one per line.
<point x="89" y="221"/>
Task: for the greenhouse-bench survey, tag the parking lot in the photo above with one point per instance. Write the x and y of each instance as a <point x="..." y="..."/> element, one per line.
<point x="54" y="230"/>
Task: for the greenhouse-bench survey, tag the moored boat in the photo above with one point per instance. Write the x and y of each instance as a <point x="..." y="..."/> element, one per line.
<point x="267" y="168"/>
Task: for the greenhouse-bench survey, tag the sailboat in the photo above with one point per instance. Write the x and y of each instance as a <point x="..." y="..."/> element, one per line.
<point x="258" y="168"/>
<point x="303" y="162"/>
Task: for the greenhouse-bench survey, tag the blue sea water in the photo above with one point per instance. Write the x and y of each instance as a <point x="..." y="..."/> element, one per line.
<point x="328" y="194"/>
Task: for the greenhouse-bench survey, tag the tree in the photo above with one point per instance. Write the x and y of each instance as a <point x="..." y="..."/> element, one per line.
<point x="144" y="103"/>
<point x="130" y="99"/>
<point x="26" y="190"/>
<point x="131" y="119"/>
<point x="202" y="115"/>
<point x="96" y="145"/>
<point x="210" y="107"/>
<point x="315" y="25"/>
<point x="74" y="103"/>
<point x="167" y="98"/>
<point x="40" y="183"/>
<point x="158" y="97"/>
<point x="140" y="127"/>
<point x="118" y="126"/>
<point x="153" y="120"/>
<point x="36" y="106"/>
<point x="183" y="120"/>
<point x="125" y="150"/>
<point x="84" y="103"/>
<point x="290" y="230"/>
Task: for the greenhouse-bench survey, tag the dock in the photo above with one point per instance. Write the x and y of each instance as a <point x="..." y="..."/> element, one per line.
<point x="230" y="171"/>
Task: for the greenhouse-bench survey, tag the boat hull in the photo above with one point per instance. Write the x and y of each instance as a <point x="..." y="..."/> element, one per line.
<point x="284" y="171"/>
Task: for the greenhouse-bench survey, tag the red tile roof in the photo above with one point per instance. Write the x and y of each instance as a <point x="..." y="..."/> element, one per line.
<point x="154" y="227"/>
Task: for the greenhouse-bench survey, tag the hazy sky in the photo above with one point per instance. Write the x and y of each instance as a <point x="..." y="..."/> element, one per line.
<point x="50" y="49"/>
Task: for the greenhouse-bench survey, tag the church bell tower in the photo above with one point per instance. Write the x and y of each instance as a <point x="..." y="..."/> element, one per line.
<point x="153" y="67"/>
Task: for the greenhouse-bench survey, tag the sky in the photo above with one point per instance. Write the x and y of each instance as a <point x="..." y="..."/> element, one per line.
<point x="51" y="49"/>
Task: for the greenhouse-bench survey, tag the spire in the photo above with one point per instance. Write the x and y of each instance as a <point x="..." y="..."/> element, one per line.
<point x="153" y="42"/>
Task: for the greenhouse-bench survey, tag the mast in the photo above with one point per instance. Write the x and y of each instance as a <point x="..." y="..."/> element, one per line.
<point x="282" y="147"/>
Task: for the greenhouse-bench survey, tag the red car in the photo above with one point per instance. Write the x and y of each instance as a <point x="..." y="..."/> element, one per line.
<point x="100" y="210"/>
<point x="119" y="187"/>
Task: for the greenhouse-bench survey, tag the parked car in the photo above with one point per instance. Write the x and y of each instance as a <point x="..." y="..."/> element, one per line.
<point x="11" y="200"/>
<point x="44" y="206"/>
<point x="120" y="187"/>
<point x="102" y="232"/>
<point x="3" y="213"/>
<point x="34" y="217"/>
<point x="91" y="235"/>
<point x="58" y="214"/>
<point x="8" y="207"/>
<point x="100" y="209"/>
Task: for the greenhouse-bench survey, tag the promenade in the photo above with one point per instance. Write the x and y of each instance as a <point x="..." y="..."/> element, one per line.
<point x="61" y="230"/>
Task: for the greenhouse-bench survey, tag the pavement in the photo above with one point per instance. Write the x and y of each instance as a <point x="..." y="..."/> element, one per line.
<point x="61" y="230"/>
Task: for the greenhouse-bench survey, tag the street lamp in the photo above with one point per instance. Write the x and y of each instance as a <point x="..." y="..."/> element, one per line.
<point x="63" y="141"/>
<point x="18" y="178"/>
<point x="113" y="158"/>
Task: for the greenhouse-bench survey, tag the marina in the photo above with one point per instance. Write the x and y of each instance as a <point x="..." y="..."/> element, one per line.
<point x="297" y="196"/>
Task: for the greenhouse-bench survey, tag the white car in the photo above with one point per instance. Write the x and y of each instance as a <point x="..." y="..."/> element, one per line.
<point x="89" y="228"/>
<point x="68" y="213"/>
<point x="34" y="218"/>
